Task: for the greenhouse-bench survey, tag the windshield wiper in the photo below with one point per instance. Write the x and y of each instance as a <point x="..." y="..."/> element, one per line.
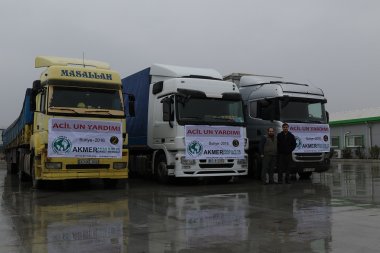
<point x="303" y="121"/>
<point x="63" y="109"/>
<point x="293" y="121"/>
<point x="97" y="110"/>
<point x="223" y="118"/>
<point x="314" y="121"/>
<point x="191" y="117"/>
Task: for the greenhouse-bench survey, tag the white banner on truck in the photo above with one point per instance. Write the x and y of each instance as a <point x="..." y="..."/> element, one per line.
<point x="311" y="138"/>
<point x="84" y="138"/>
<point x="220" y="142"/>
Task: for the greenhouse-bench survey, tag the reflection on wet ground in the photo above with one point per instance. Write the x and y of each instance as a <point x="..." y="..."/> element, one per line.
<point x="336" y="211"/>
<point x="353" y="181"/>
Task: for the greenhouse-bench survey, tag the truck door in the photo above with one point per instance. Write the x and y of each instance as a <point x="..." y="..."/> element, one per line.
<point x="164" y="124"/>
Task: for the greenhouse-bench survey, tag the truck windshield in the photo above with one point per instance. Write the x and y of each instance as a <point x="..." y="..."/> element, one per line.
<point x="210" y="111"/>
<point x="302" y="111"/>
<point x="85" y="98"/>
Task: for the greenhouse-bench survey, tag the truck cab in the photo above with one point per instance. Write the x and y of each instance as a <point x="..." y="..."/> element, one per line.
<point x="270" y="101"/>
<point x="177" y="111"/>
<point x="72" y="124"/>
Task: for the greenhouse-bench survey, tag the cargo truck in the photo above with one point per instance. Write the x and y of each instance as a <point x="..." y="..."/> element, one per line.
<point x="72" y="124"/>
<point x="188" y="123"/>
<point x="270" y="101"/>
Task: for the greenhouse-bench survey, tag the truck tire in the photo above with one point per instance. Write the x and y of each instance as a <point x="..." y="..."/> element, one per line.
<point x="110" y="183"/>
<point x="305" y="175"/>
<point x="22" y="176"/>
<point x="12" y="168"/>
<point x="257" y="162"/>
<point x="161" y="170"/>
<point x="225" y="180"/>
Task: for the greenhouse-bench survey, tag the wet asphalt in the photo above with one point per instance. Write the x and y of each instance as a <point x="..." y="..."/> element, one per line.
<point x="336" y="211"/>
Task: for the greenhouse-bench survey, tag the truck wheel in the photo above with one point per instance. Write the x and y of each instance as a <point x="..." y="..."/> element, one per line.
<point x="12" y="168"/>
<point x="305" y="175"/>
<point x="22" y="176"/>
<point x="225" y="180"/>
<point x="161" y="170"/>
<point x="110" y="183"/>
<point x="257" y="167"/>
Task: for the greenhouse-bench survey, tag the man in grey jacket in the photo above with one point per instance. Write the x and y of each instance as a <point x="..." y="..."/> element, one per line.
<point x="268" y="153"/>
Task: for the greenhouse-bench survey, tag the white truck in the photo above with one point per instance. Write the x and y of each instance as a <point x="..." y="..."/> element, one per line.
<point x="270" y="101"/>
<point x="188" y="123"/>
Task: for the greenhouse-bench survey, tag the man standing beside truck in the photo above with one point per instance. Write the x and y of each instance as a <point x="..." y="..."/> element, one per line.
<point x="286" y="143"/>
<point x="268" y="154"/>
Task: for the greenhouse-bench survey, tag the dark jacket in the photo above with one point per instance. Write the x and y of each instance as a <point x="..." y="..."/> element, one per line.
<point x="286" y="143"/>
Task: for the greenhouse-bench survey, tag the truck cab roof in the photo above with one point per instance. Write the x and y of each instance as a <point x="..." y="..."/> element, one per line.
<point x="257" y="86"/>
<point x="162" y="70"/>
<point x="65" y="70"/>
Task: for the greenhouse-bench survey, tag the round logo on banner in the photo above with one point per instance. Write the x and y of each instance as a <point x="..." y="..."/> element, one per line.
<point x="61" y="144"/>
<point x="235" y="143"/>
<point x="114" y="140"/>
<point x="195" y="148"/>
<point x="326" y="138"/>
<point x="298" y="142"/>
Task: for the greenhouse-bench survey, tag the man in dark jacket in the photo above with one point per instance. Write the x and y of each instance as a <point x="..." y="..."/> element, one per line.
<point x="286" y="143"/>
<point x="268" y="153"/>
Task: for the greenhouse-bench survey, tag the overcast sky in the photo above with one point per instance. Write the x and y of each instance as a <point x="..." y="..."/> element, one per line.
<point x="333" y="44"/>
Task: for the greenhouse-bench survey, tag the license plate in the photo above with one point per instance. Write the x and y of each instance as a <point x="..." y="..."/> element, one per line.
<point x="88" y="161"/>
<point x="218" y="161"/>
<point x="308" y="170"/>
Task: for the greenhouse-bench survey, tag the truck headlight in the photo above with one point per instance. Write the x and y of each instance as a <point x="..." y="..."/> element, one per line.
<point x="120" y="165"/>
<point x="242" y="161"/>
<point x="53" y="165"/>
<point x="185" y="161"/>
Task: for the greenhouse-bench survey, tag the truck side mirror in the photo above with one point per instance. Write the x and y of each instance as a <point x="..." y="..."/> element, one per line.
<point x="167" y="109"/>
<point x="131" y="105"/>
<point x="328" y="117"/>
<point x="37" y="86"/>
<point x="32" y="103"/>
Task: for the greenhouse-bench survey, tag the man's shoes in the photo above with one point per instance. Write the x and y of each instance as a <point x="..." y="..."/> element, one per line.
<point x="287" y="182"/>
<point x="271" y="182"/>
